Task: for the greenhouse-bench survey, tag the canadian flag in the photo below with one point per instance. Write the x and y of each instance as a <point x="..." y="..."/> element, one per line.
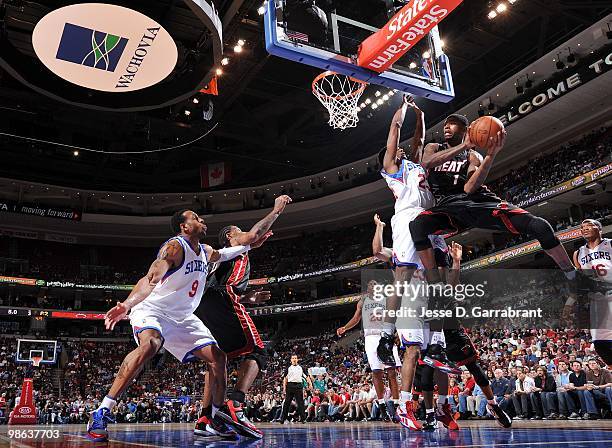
<point x="214" y="174"/>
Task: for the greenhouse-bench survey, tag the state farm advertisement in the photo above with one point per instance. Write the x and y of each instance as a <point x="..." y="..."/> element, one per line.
<point x="413" y="22"/>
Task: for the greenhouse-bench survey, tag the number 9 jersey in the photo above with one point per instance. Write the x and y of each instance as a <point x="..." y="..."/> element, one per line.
<point x="170" y="306"/>
<point x="179" y="293"/>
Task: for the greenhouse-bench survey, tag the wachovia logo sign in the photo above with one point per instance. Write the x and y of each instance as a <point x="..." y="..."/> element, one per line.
<point x="104" y="47"/>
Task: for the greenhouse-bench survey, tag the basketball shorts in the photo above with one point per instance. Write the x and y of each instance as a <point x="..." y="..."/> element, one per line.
<point x="371" y="343"/>
<point x="181" y="338"/>
<point x="404" y="252"/>
<point x="482" y="210"/>
<point x="422" y="337"/>
<point x="229" y="322"/>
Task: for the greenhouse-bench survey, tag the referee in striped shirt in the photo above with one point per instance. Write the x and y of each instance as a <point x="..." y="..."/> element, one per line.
<point x="293" y="388"/>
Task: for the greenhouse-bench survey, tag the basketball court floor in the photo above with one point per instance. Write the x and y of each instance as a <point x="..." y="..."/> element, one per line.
<point x="523" y="434"/>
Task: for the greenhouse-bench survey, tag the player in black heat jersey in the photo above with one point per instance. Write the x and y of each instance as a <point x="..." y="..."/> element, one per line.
<point x="456" y="175"/>
<point x="224" y="314"/>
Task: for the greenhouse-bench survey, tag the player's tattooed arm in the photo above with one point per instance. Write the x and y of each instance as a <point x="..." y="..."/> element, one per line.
<point x="354" y="320"/>
<point x="169" y="256"/>
<point x="263" y="226"/>
<point x="390" y="164"/>
<point x="378" y="249"/>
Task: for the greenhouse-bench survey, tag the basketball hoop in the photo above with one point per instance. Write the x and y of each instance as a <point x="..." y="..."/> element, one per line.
<point x="340" y="95"/>
<point x="36" y="361"/>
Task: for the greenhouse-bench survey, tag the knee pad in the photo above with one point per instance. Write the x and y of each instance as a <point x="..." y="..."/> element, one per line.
<point x="459" y="347"/>
<point x="427" y="379"/>
<point x="479" y="376"/>
<point x="538" y="228"/>
<point x="260" y="356"/>
<point x="604" y="349"/>
<point x="420" y="233"/>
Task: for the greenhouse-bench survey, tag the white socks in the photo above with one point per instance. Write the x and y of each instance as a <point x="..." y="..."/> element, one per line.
<point x="404" y="397"/>
<point x="108" y="403"/>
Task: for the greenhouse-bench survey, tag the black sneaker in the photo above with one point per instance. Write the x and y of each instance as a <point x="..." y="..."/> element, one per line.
<point x="233" y="414"/>
<point x="385" y="349"/>
<point x="384" y="413"/>
<point x="502" y="418"/>
<point x="430" y="423"/>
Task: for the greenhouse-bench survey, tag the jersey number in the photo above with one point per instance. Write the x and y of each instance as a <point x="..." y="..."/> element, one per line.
<point x="456" y="177"/>
<point x="600" y="270"/>
<point x="194" y="288"/>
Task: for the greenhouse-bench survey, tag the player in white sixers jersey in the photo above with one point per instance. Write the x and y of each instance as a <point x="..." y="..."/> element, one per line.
<point x="596" y="255"/>
<point x="408" y="182"/>
<point x="162" y="305"/>
<point x="370" y="311"/>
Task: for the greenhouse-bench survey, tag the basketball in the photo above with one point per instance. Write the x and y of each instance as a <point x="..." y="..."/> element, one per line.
<point x="483" y="128"/>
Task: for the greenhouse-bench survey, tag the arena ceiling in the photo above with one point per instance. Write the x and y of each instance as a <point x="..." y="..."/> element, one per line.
<point x="270" y="127"/>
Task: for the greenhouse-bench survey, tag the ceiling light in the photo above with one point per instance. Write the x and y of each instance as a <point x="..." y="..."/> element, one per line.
<point x="224" y="61"/>
<point x="237" y="49"/>
<point x="75" y="153"/>
<point x="241" y="42"/>
<point x="196" y="101"/>
<point x="187" y="112"/>
<point x="219" y="72"/>
<point x="261" y="10"/>
<point x="377" y="94"/>
<point x="412" y="65"/>
<point x="492" y="14"/>
<point x="426" y="55"/>
<point x="368" y="101"/>
<point x="502" y="7"/>
<point x="385" y="97"/>
<point x="374" y="106"/>
<point x="379" y="102"/>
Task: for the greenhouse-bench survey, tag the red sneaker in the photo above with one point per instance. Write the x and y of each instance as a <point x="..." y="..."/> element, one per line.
<point x="444" y="415"/>
<point x="233" y="414"/>
<point x="407" y="419"/>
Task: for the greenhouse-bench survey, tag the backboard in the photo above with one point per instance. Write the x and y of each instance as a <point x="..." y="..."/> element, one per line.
<point x="330" y="38"/>
<point x="28" y="348"/>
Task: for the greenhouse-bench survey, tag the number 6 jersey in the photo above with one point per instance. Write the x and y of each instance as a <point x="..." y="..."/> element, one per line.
<point x="179" y="293"/>
<point x="598" y="259"/>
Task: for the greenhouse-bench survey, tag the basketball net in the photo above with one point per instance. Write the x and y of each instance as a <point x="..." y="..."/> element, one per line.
<point x="36" y="361"/>
<point x="340" y="95"/>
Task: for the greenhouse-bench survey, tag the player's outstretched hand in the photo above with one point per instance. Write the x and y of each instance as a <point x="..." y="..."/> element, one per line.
<point x="496" y="143"/>
<point x="378" y="221"/>
<point x="456" y="251"/>
<point x="262" y="240"/>
<point x="409" y="101"/>
<point x="258" y="296"/>
<point x="340" y="331"/>
<point x="281" y="202"/>
<point x="115" y="315"/>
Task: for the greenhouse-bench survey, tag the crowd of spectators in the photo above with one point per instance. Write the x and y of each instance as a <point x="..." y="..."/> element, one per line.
<point x="535" y="374"/>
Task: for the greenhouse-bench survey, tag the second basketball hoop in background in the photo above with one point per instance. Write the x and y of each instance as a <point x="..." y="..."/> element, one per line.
<point x="340" y="95"/>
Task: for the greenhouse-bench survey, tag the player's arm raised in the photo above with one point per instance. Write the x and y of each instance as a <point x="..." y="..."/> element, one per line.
<point x="354" y="320"/>
<point x="263" y="226"/>
<point x="169" y="256"/>
<point x="479" y="168"/>
<point x="378" y="249"/>
<point x="393" y="139"/>
<point x="433" y="158"/>
<point x="225" y="254"/>
<point x="418" y="140"/>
